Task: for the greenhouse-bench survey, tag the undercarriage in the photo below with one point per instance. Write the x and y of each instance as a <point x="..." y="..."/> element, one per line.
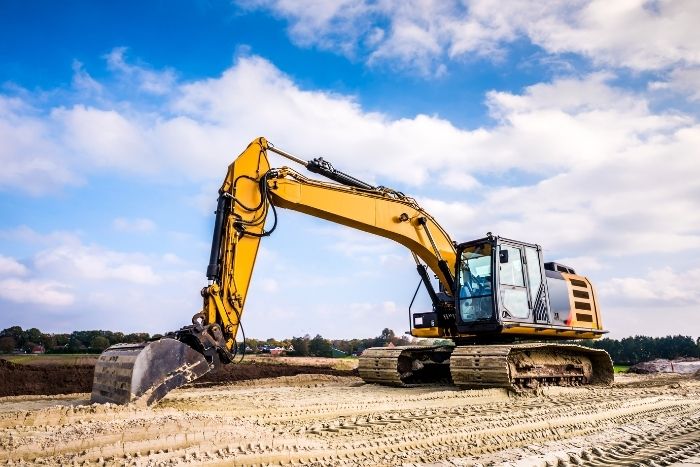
<point x="518" y="367"/>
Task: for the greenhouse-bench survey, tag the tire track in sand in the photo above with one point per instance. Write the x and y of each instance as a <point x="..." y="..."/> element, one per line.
<point x="325" y="421"/>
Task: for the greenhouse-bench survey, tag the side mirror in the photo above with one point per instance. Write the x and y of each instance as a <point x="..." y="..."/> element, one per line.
<point x="503" y="256"/>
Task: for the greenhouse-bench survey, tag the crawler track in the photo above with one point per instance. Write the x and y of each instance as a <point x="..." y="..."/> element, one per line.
<point x="405" y="365"/>
<point x="519" y="367"/>
<point x="529" y="366"/>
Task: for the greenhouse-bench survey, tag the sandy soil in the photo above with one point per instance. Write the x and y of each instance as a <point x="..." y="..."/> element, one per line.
<point x="332" y="420"/>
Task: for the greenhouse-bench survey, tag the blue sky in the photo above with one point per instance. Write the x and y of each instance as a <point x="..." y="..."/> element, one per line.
<point x="573" y="125"/>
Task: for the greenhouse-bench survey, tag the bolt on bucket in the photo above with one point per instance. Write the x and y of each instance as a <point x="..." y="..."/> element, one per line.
<point x="144" y="373"/>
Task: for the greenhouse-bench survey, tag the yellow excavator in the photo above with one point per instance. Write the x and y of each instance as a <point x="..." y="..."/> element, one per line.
<point x="499" y="304"/>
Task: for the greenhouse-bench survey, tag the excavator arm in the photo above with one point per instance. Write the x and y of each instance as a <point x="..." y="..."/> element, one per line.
<point x="251" y="191"/>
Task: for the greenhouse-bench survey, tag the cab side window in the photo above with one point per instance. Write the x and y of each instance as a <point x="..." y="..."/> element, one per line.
<point x="514" y="301"/>
<point x="512" y="271"/>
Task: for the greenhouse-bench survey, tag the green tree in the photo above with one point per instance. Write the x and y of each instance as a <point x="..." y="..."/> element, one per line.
<point x="320" y="347"/>
<point x="254" y="344"/>
<point x="99" y="343"/>
<point x="136" y="337"/>
<point x="116" y="338"/>
<point x="387" y="334"/>
<point x="49" y="341"/>
<point x="7" y="344"/>
<point x="75" y="344"/>
<point x="16" y="333"/>
<point x="301" y="346"/>
<point x="34" y="335"/>
<point x="62" y="339"/>
<point x="631" y="350"/>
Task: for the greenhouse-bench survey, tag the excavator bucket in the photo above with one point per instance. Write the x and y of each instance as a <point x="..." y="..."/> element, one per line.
<point x="144" y="373"/>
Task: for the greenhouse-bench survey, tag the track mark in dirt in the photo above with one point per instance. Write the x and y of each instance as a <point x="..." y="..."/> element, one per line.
<point x="331" y="420"/>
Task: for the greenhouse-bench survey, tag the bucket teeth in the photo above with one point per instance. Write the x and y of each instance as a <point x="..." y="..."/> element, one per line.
<point x="144" y="373"/>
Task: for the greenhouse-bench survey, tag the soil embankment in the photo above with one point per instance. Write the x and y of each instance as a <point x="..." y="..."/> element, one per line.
<point x="44" y="379"/>
<point x="51" y="379"/>
<point x="247" y="371"/>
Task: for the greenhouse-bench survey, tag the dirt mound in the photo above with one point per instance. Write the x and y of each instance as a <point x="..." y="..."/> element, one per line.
<point x="247" y="371"/>
<point x="17" y="380"/>
<point x="661" y="365"/>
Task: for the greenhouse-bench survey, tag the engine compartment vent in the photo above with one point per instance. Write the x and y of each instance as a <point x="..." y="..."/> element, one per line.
<point x="552" y="266"/>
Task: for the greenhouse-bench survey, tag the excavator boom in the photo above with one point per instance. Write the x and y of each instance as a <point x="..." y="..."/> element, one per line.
<point x="249" y="193"/>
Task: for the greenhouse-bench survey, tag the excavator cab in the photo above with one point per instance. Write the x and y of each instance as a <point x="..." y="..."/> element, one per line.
<point x="505" y="291"/>
<point x="503" y="286"/>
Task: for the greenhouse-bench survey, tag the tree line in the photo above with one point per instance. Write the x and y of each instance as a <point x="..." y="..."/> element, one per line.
<point x="14" y="339"/>
<point x="626" y="351"/>
<point x="320" y="347"/>
<point x="17" y="339"/>
<point x="632" y="350"/>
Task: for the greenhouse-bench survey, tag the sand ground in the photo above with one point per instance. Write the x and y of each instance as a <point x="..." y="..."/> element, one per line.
<point x="339" y="420"/>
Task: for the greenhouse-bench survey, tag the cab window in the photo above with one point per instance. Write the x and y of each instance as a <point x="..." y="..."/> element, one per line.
<point x="514" y="300"/>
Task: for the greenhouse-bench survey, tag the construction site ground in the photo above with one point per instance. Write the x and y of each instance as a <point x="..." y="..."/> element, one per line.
<point x="335" y="419"/>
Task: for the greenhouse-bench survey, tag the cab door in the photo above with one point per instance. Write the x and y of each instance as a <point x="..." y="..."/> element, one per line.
<point x="539" y="304"/>
<point x="523" y="294"/>
<point x="514" y="297"/>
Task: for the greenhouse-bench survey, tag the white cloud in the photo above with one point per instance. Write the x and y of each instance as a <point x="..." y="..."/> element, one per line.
<point x="685" y="80"/>
<point x="17" y="286"/>
<point x="147" y="80"/>
<point x="97" y="286"/>
<point x="550" y="127"/>
<point x="138" y="224"/>
<point x="82" y="80"/>
<point x="660" y="287"/>
<point x="456" y="217"/>
<point x="459" y="180"/>
<point x="390" y="308"/>
<point x="637" y="34"/>
<point x="11" y="267"/>
<point x="39" y="292"/>
<point x="93" y="263"/>
<point x="172" y="258"/>
<point x="26" y="235"/>
<point x="331" y="23"/>
<point x="353" y="243"/>
<point x="104" y="138"/>
<point x="31" y="161"/>
<point x="269" y="285"/>
<point x="582" y="263"/>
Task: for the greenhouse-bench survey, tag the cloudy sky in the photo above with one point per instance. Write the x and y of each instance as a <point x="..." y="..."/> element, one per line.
<point x="571" y="124"/>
